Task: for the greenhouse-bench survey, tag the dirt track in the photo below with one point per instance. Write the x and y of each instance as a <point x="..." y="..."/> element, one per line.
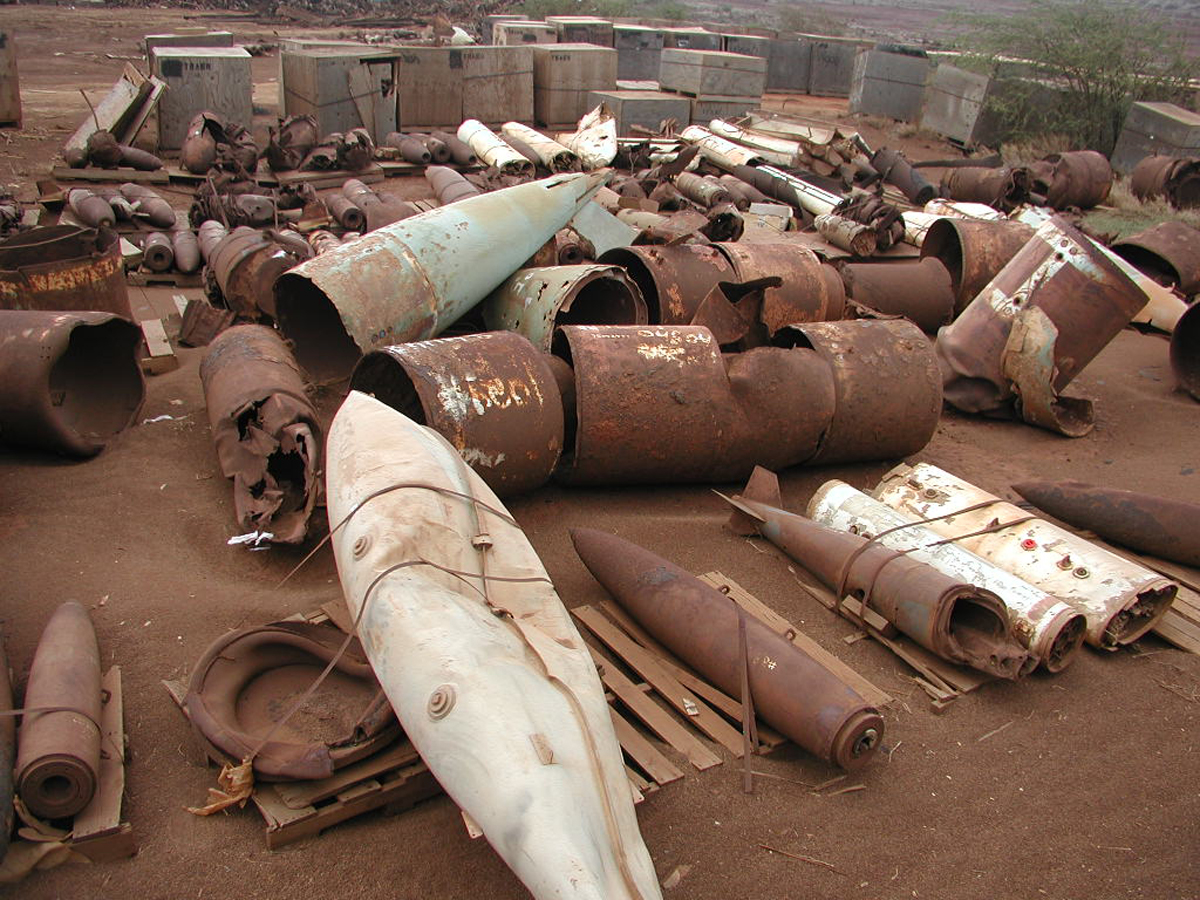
<point x="1090" y="790"/>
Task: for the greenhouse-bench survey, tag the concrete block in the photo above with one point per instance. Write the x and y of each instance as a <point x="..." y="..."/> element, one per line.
<point x="707" y="73"/>
<point x="563" y="77"/>
<point x="1156" y="128"/>
<point x="639" y="52"/>
<point x="889" y="84"/>
<point x="645" y="108"/>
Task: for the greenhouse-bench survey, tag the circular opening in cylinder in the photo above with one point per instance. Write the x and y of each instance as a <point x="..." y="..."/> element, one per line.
<point x="560" y="348"/>
<point x="1065" y="643"/>
<point x="96" y="386"/>
<point x="57" y="789"/>
<point x="1135" y="620"/>
<point x="1185" y="351"/>
<point x="1148" y="263"/>
<point x="942" y="242"/>
<point x="310" y="321"/>
<point x="642" y="276"/>
<point x="602" y="301"/>
<point x="384" y="377"/>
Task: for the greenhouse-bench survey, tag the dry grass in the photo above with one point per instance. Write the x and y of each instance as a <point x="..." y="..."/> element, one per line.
<point x="1022" y="153"/>
<point x="1124" y="214"/>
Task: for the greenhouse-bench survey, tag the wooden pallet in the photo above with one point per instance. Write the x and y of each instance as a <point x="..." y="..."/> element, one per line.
<point x="331" y="178"/>
<point x="137" y="176"/>
<point x="397" y="167"/>
<point x="146" y="278"/>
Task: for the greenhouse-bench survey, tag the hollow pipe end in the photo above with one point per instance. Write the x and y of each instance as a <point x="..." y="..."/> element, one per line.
<point x="56" y="786"/>
<point x="858" y="740"/>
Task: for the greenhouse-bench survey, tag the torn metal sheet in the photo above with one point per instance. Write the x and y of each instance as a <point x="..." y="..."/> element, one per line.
<point x="920" y="290"/>
<point x="1185" y="351"/>
<point x="594" y="140"/>
<point x="674" y="280"/>
<point x="494" y="152"/>
<point x="266" y="433"/>
<point x="1176" y="179"/>
<point x="534" y="302"/>
<point x="407" y="280"/>
<point x="633" y="385"/>
<point x="810" y="290"/>
<point x="549" y="152"/>
<point x="888" y="387"/>
<point x="973" y="252"/>
<point x="1161" y="526"/>
<point x="1057" y="303"/>
<point x="288" y="145"/>
<point x="792" y="692"/>
<point x="1169" y="253"/>
<point x="947" y="615"/>
<point x="58" y="752"/>
<point x="492" y="396"/>
<point x="1049" y="628"/>
<point x="64" y="268"/>
<point x="602" y="229"/>
<point x="248" y="679"/>
<point x="448" y="186"/>
<point x="1120" y="599"/>
<point x="69" y="381"/>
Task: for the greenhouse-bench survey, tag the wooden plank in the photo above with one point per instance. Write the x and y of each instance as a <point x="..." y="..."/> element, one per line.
<point x="298" y="794"/>
<point x="361" y="86"/>
<point x="331" y="178"/>
<point x="641" y="787"/>
<point x="119" y="175"/>
<point x="645" y="754"/>
<point x="777" y="623"/>
<point x="97" y="831"/>
<point x="658" y="719"/>
<point x="149" y="104"/>
<point x="146" y="278"/>
<point x="161" y="357"/>
<point x="118" y="106"/>
<point x="698" y="713"/>
<point x="1178" y="631"/>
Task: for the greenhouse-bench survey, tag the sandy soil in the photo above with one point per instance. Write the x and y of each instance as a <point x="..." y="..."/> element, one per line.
<point x="1091" y="788"/>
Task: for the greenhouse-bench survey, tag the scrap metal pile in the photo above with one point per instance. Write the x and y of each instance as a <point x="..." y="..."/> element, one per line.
<point x="596" y="310"/>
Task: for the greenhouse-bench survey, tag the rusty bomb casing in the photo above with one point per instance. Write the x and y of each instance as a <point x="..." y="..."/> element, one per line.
<point x="1185" y="351"/>
<point x="634" y="385"/>
<point x="956" y="620"/>
<point x="266" y="433"/>
<point x="973" y="252"/>
<point x="1077" y="178"/>
<point x="493" y="396"/>
<point x="58" y="753"/>
<point x="1044" y="317"/>
<point x="69" y="381"/>
<point x="791" y="691"/>
<point x="1169" y="253"/>
<point x="887" y="388"/>
<point x="919" y="290"/>
<point x="186" y="250"/>
<point x="64" y="268"/>
<point x="1173" y="178"/>
<point x="449" y="186"/>
<point x="535" y="301"/>
<point x="895" y="169"/>
<point x="158" y="255"/>
<point x="8" y="751"/>
<point x="1161" y="526"/>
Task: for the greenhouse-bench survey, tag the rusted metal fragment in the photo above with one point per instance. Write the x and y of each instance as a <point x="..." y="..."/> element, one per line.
<point x="291" y="142"/>
<point x="1173" y="178"/>
<point x="888" y="387"/>
<point x="1161" y="526"/>
<point x="58" y="753"/>
<point x="1120" y="599"/>
<point x="703" y="190"/>
<point x="246" y="263"/>
<point x="674" y="280"/>
<point x="411" y="149"/>
<point x="321" y="240"/>
<point x="1078" y="178"/>
<point x="492" y="396"/>
<point x="8" y="750"/>
<point x="573" y="249"/>
<point x="90" y="208"/>
<point x="921" y="291"/>
<point x="202" y="322"/>
<point x="265" y="430"/>
<point x="846" y="234"/>
<point x="534" y="302"/>
<point x="1005" y="188"/>
<point x="880" y="216"/>
<point x="248" y="679"/>
<point x="956" y="620"/>
<point x="1185" y="351"/>
<point x="69" y="381"/>
<point x="345" y="212"/>
<point x="408" y="281"/>
<point x="725" y="223"/>
<point x="973" y="252"/>
<point x="791" y="691"/>
<point x="460" y="151"/>
<point x="895" y="169"/>
<point x="1169" y="253"/>
<point x="186" y="250"/>
<point x="1034" y="327"/>
<point x="721" y="314"/>
<point x="157" y="252"/>
<point x="633" y="385"/>
<point x="810" y="290"/>
<point x="448" y="186"/>
<point x="212" y="140"/>
<point x="1049" y="628"/>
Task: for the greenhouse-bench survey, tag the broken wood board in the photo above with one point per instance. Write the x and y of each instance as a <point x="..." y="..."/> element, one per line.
<point x="160" y="358"/>
<point x="331" y="178"/>
<point x="138" y="120"/>
<point x="119" y="175"/>
<point x="115" y="111"/>
<point x="146" y="278"/>
<point x="395" y="167"/>
<point x="98" y="832"/>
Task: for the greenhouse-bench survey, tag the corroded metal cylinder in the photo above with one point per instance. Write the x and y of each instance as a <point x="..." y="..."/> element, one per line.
<point x="1080" y="178"/>
<point x="633" y="385"/>
<point x="209" y="236"/>
<point x="1173" y="178"/>
<point x="790" y="690"/>
<point x="157" y="211"/>
<point x="897" y="170"/>
<point x="534" y="302"/>
<point x="438" y="151"/>
<point x="1003" y="188"/>
<point x="186" y="250"/>
<point x="64" y="268"/>
<point x="1044" y="317"/>
<point x="490" y="395"/>
<point x="265" y="430"/>
<point x="91" y="209"/>
<point x="673" y="280"/>
<point x="920" y="291"/>
<point x="1120" y="599"/>
<point x="811" y="291"/>
<point x="1185" y="351"/>
<point x="888" y="387"/>
<point x="58" y="752"/>
<point x="460" y="151"/>
<point x="322" y="241"/>
<point x="707" y="192"/>
<point x="69" y="382"/>
<point x="1161" y="526"/>
<point x="846" y="234"/>
<point x="448" y="186"/>
<point x="1169" y="253"/>
<point x="1050" y="629"/>
<point x="345" y="212"/>
<point x="245" y="264"/>
<point x="411" y="149"/>
<point x="157" y="253"/>
<point x="8" y="750"/>
<point x="973" y="252"/>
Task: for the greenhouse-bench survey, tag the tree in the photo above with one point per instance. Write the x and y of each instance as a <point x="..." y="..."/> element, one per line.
<point x="1101" y="55"/>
